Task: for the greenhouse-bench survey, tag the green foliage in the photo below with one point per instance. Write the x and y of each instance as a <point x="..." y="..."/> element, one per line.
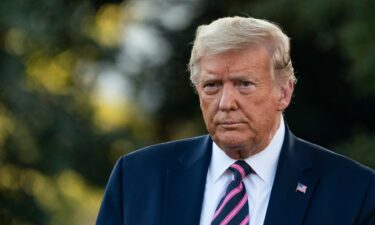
<point x="361" y="148"/>
<point x="59" y="138"/>
<point x="47" y="119"/>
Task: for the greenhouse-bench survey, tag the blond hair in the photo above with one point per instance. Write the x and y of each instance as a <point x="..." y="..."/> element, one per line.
<point x="234" y="33"/>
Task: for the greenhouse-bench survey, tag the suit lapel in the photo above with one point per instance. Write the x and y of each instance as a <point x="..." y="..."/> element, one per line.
<point x="287" y="205"/>
<point x="185" y="185"/>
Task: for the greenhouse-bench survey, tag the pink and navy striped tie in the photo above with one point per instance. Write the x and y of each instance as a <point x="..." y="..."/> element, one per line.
<point x="233" y="208"/>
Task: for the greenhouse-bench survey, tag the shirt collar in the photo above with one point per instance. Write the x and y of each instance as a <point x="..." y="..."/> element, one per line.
<point x="263" y="163"/>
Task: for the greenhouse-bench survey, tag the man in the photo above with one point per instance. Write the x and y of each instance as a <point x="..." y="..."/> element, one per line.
<point x="250" y="169"/>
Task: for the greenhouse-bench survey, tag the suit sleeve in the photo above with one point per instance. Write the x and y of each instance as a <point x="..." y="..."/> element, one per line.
<point x="367" y="216"/>
<point x="111" y="209"/>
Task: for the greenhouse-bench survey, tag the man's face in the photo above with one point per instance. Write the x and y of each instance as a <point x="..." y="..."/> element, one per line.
<point x="240" y="101"/>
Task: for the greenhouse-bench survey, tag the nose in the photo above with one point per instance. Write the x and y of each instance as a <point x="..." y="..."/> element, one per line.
<point x="227" y="98"/>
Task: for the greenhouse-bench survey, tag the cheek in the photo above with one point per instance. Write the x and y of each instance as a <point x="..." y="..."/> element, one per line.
<point x="266" y="100"/>
<point x="259" y="109"/>
<point x="206" y="101"/>
<point x="208" y="107"/>
<point x="202" y="103"/>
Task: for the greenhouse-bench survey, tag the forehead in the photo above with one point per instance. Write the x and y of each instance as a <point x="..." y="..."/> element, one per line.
<point x="248" y="60"/>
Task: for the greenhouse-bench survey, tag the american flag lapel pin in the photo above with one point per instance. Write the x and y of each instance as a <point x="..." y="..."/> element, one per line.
<point x="301" y="188"/>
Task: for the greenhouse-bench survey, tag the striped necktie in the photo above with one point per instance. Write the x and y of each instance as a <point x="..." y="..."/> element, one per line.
<point x="233" y="208"/>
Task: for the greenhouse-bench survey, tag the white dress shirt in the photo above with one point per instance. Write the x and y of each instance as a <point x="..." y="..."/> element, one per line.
<point x="258" y="185"/>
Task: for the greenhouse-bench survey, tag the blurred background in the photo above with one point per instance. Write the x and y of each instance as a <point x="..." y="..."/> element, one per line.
<point x="84" y="82"/>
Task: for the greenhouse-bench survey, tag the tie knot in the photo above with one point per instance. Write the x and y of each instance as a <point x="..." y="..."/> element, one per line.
<point x="240" y="169"/>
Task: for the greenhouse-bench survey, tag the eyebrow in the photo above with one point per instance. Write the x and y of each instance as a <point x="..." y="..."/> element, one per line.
<point x="232" y="77"/>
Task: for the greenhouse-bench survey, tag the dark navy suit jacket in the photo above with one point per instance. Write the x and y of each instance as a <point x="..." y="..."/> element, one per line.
<point x="164" y="185"/>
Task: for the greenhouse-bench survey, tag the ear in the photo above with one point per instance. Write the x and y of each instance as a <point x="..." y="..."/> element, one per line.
<point x="286" y="93"/>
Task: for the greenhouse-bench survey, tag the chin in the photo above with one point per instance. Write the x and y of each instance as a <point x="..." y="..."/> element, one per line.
<point x="236" y="150"/>
<point x="231" y="143"/>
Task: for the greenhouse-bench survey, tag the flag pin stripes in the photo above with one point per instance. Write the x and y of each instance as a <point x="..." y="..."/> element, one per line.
<point x="301" y="188"/>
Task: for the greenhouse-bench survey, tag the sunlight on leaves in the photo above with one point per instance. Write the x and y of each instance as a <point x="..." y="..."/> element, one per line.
<point x="107" y="23"/>
<point x="15" y="41"/>
<point x="110" y="115"/>
<point x="6" y="127"/>
<point x="82" y="199"/>
<point x="52" y="73"/>
<point x="67" y="197"/>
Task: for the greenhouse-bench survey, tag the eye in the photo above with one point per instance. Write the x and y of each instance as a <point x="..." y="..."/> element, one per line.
<point x="245" y="83"/>
<point x="245" y="86"/>
<point x="211" y="87"/>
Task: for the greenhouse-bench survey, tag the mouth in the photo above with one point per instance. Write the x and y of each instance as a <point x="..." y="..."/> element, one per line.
<point x="230" y="124"/>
